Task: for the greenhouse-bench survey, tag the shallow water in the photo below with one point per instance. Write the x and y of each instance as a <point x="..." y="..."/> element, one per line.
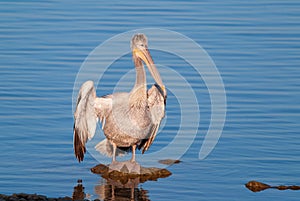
<point x="255" y="46"/>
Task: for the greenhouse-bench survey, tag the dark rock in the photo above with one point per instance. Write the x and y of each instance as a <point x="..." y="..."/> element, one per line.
<point x="125" y="179"/>
<point x="256" y="186"/>
<point x="169" y="161"/>
<point x="30" y="197"/>
<point x="295" y="187"/>
<point x="282" y="187"/>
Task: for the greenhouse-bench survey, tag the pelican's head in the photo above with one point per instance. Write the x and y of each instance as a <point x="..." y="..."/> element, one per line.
<point x="139" y="47"/>
<point x="139" y="41"/>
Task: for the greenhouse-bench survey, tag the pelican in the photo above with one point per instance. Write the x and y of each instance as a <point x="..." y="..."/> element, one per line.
<point x="130" y="120"/>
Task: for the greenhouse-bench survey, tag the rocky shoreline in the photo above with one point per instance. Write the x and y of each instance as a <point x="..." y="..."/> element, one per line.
<point x="25" y="197"/>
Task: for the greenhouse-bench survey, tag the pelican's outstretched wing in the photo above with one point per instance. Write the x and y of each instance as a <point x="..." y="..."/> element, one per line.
<point x="157" y="104"/>
<point x="88" y="109"/>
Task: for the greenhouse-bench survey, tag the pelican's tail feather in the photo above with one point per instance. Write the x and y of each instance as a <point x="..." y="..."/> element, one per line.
<point x="106" y="148"/>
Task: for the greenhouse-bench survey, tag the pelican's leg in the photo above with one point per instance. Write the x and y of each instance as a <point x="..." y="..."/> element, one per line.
<point x="114" y="152"/>
<point x="115" y="165"/>
<point x="133" y="153"/>
<point x="133" y="166"/>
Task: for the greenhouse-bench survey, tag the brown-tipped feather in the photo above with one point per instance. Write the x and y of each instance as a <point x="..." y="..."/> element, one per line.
<point x="79" y="147"/>
<point x="151" y="139"/>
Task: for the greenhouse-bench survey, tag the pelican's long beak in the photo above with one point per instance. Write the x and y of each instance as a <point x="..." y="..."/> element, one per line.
<point x="146" y="57"/>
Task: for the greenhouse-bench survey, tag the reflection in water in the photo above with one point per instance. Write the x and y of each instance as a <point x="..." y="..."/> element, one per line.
<point x="117" y="185"/>
<point x="78" y="193"/>
<point x="109" y="191"/>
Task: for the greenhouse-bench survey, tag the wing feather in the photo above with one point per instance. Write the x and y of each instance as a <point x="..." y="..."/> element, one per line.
<point x="89" y="109"/>
<point x="157" y="104"/>
<point x="85" y="118"/>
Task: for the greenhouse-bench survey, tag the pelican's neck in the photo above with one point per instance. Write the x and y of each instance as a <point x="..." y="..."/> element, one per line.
<point x="138" y="94"/>
<point x="140" y="82"/>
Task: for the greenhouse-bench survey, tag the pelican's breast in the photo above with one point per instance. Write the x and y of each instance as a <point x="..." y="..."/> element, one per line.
<point x="127" y="124"/>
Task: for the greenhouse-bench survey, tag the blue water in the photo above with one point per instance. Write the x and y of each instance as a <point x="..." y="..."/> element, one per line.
<point x="255" y="46"/>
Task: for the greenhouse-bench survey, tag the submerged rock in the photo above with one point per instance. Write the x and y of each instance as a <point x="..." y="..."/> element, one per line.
<point x="256" y="186"/>
<point x="169" y="161"/>
<point x="125" y="179"/>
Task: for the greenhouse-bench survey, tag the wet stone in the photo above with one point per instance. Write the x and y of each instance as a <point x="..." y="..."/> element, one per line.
<point x="125" y="179"/>
<point x="256" y="186"/>
<point x="169" y="161"/>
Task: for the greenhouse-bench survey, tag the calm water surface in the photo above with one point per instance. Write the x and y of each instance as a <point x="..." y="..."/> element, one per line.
<point x="255" y="46"/>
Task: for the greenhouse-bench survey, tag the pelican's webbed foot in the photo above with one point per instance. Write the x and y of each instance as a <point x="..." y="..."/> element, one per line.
<point x="128" y="167"/>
